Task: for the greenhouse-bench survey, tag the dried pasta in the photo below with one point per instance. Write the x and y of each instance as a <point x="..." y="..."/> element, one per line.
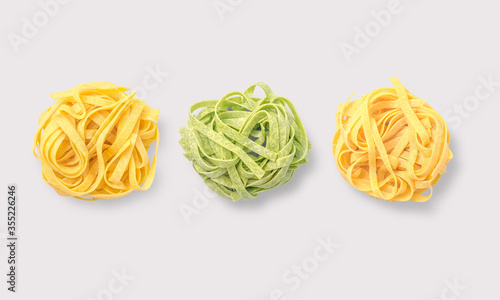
<point x="93" y="142"/>
<point x="242" y="145"/>
<point x="391" y="144"/>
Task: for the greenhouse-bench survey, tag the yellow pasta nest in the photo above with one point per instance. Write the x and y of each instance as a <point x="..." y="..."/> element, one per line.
<point x="391" y="144"/>
<point x="93" y="142"/>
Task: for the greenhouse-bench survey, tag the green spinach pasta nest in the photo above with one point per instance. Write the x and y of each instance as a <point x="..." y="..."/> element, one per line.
<point x="242" y="145"/>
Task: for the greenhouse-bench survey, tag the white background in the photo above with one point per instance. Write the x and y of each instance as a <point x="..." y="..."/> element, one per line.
<point x="70" y="248"/>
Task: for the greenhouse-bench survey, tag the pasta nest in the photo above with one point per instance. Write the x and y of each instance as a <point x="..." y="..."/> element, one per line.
<point x="391" y="144"/>
<point x="93" y="142"/>
<point x="242" y="145"/>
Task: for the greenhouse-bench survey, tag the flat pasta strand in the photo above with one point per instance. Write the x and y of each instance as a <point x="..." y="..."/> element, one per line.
<point x="93" y="142"/>
<point x="391" y="144"/>
<point x="242" y="145"/>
